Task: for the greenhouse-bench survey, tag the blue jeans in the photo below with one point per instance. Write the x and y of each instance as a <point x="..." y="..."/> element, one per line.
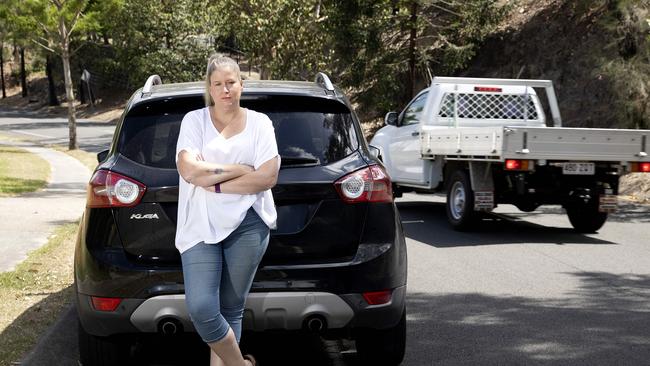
<point x="218" y="278"/>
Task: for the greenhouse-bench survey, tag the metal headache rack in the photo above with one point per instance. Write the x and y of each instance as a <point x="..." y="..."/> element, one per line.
<point x="503" y="111"/>
<point x="488" y="106"/>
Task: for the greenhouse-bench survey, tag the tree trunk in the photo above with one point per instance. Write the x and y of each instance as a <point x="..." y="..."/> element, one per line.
<point x="413" y="35"/>
<point x="51" y="90"/>
<point x="69" y="92"/>
<point x="2" y="69"/>
<point x="23" y="74"/>
<point x="317" y="10"/>
<point x="69" y="96"/>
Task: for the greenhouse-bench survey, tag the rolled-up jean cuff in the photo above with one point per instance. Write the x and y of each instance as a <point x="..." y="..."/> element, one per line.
<point x="209" y="341"/>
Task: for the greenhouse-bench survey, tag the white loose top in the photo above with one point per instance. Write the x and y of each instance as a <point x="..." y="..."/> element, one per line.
<point x="210" y="217"/>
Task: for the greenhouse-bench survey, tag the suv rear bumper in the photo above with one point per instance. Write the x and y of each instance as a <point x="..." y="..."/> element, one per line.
<point x="317" y="311"/>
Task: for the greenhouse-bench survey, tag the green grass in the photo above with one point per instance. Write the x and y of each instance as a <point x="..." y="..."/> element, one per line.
<point x="21" y="171"/>
<point x="35" y="293"/>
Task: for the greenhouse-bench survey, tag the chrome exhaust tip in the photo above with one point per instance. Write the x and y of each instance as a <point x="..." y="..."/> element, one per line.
<point x="170" y="326"/>
<point x="315" y="323"/>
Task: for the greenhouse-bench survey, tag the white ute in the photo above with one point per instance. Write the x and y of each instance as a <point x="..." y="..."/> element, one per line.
<point x="486" y="141"/>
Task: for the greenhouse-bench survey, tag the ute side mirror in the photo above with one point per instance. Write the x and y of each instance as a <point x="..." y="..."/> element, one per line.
<point x="101" y="156"/>
<point x="374" y="152"/>
<point x="391" y="118"/>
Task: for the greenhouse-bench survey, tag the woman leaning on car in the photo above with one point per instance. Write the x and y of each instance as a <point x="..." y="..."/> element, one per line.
<point x="228" y="160"/>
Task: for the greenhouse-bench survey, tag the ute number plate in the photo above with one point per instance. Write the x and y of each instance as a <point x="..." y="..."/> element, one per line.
<point x="579" y="168"/>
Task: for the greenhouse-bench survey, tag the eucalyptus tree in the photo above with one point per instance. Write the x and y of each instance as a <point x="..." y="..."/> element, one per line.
<point x="58" y="22"/>
<point x="170" y="38"/>
<point x="16" y="30"/>
<point x="4" y="19"/>
<point x="283" y="38"/>
<point x="387" y="49"/>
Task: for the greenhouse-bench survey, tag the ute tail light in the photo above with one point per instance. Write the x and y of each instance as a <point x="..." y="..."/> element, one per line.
<point x="110" y="189"/>
<point x="105" y="303"/>
<point x="518" y="165"/>
<point x="640" y="167"/>
<point x="370" y="184"/>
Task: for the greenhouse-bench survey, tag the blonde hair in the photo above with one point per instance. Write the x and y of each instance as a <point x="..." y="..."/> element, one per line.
<point x="217" y="62"/>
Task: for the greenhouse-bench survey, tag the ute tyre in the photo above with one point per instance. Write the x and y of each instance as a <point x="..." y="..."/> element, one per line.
<point x="585" y="218"/>
<point x="102" y="351"/>
<point x="460" y="201"/>
<point x="382" y="346"/>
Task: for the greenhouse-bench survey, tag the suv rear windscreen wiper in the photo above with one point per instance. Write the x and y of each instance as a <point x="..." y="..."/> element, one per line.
<point x="292" y="161"/>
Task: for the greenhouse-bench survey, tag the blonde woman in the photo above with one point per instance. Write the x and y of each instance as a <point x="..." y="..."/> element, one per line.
<point x="228" y="160"/>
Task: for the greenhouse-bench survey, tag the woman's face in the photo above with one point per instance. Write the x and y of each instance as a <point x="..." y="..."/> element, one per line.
<point x="225" y="87"/>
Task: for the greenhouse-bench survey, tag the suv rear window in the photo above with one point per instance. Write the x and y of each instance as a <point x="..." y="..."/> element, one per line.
<point x="309" y="131"/>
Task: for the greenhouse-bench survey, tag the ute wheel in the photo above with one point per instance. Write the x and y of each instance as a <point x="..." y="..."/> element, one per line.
<point x="382" y="346"/>
<point x="102" y="351"/>
<point x="527" y="206"/>
<point x="585" y="217"/>
<point x="460" y="201"/>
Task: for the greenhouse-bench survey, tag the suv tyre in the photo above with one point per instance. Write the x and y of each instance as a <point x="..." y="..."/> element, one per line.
<point x="382" y="346"/>
<point x="102" y="351"/>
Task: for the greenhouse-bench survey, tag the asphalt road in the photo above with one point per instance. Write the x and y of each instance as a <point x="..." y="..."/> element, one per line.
<point x="523" y="289"/>
<point x="91" y="136"/>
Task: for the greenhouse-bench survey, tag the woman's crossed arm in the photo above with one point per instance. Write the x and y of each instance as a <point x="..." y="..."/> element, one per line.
<point x="193" y="169"/>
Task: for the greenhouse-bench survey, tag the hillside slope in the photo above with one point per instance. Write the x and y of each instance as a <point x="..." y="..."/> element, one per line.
<point x="595" y="51"/>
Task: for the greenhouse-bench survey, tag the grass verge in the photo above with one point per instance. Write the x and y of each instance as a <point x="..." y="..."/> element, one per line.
<point x="35" y="293"/>
<point x="21" y="171"/>
<point x="86" y="158"/>
<point x="9" y="138"/>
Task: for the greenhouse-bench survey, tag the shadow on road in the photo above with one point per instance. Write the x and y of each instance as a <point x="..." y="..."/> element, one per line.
<point x="294" y="349"/>
<point x="629" y="212"/>
<point x="605" y="322"/>
<point x="19" y="336"/>
<point x="423" y="218"/>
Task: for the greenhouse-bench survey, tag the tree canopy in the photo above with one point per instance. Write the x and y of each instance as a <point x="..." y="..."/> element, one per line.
<point x="380" y="51"/>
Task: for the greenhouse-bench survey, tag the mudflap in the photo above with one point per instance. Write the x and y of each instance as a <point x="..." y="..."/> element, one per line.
<point x="608" y="203"/>
<point x="483" y="185"/>
<point x="483" y="201"/>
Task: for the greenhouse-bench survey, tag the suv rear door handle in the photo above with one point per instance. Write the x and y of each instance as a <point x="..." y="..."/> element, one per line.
<point x="417" y="133"/>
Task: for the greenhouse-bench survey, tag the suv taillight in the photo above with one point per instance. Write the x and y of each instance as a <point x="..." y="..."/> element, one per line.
<point x="110" y="189"/>
<point x="370" y="184"/>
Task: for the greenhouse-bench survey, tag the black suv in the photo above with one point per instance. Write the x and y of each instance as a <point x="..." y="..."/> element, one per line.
<point x="336" y="263"/>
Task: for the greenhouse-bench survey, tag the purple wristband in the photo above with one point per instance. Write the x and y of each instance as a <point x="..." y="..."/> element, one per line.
<point x="217" y="188"/>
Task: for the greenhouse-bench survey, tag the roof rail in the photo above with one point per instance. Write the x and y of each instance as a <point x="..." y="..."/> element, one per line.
<point x="151" y="81"/>
<point x="324" y="80"/>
